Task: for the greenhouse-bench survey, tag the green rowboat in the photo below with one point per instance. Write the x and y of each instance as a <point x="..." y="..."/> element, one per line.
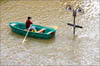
<point x="19" y="28"/>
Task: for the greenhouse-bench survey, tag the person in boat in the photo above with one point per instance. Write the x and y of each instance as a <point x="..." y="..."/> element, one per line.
<point x="29" y="23"/>
<point x="32" y="28"/>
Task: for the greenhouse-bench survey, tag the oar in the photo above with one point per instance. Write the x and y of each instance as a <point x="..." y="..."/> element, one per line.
<point x="55" y="27"/>
<point x="26" y="34"/>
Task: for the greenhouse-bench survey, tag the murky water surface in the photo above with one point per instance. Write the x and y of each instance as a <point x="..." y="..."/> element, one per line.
<point x="61" y="49"/>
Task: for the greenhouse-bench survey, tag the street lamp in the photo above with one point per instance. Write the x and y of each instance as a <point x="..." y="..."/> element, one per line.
<point x="75" y="11"/>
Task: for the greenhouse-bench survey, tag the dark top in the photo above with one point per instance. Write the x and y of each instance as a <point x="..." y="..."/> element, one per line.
<point x="28" y="23"/>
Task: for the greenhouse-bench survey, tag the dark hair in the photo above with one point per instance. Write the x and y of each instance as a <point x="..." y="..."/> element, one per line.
<point x="29" y="17"/>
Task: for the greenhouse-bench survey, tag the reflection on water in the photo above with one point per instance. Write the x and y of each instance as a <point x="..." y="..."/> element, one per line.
<point x="59" y="50"/>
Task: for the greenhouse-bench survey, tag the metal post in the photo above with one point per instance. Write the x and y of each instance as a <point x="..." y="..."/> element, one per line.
<point x="74" y="27"/>
<point x="74" y="15"/>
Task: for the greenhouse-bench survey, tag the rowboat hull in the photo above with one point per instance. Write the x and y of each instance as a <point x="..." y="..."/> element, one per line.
<point x="19" y="28"/>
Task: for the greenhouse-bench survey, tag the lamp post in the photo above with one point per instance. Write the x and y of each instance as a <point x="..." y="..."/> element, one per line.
<point x="75" y="11"/>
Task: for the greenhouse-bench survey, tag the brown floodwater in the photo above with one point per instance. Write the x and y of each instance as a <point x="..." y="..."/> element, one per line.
<point x="62" y="49"/>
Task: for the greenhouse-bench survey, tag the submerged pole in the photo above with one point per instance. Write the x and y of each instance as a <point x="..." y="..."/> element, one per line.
<point x="74" y="15"/>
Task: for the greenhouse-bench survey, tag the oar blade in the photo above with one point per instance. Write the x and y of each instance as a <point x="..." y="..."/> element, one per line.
<point x="55" y="27"/>
<point x="23" y="41"/>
